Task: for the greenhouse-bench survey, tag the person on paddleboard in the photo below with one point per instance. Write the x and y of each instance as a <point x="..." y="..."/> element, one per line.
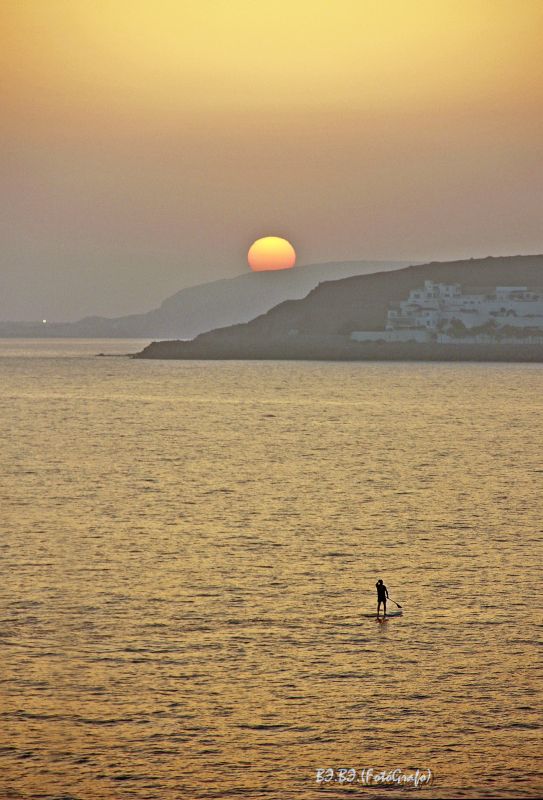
<point x="382" y="596"/>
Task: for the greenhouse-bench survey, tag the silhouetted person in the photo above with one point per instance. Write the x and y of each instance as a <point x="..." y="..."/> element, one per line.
<point x="382" y="595"/>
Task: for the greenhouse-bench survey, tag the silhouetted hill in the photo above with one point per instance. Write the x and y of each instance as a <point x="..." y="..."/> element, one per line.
<point x="202" y="308"/>
<point x="318" y="325"/>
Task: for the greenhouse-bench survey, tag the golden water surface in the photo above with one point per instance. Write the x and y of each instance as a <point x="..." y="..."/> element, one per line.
<point x="188" y="549"/>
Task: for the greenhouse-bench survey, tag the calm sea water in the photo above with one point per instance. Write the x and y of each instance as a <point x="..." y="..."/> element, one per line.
<point x="187" y="550"/>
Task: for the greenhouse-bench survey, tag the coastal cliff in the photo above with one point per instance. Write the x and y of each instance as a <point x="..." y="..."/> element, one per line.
<point x="206" y="307"/>
<point x="318" y="326"/>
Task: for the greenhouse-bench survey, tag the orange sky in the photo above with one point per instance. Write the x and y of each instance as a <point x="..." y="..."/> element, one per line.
<point x="147" y="144"/>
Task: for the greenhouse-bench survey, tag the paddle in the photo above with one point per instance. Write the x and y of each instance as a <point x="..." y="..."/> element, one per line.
<point x="395" y="603"/>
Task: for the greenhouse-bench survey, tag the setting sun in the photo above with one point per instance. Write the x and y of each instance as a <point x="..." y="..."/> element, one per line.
<point x="270" y="253"/>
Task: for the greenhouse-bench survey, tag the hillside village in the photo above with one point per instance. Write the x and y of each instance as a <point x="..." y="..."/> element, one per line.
<point x="440" y="312"/>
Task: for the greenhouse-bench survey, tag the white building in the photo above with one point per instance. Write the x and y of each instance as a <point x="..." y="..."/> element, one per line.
<point x="436" y="310"/>
<point x="436" y="305"/>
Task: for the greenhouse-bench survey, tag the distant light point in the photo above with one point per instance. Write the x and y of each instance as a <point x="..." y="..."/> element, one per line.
<point x="44" y="321"/>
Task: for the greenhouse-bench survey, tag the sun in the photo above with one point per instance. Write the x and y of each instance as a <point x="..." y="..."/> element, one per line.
<point x="271" y="253"/>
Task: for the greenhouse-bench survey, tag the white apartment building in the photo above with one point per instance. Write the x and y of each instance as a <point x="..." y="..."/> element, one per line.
<point x="435" y="305"/>
<point x="429" y="312"/>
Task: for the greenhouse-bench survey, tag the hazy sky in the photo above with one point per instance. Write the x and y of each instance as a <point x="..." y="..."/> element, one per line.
<point x="147" y="143"/>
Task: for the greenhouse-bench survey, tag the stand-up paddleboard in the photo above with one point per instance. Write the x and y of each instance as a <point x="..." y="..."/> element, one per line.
<point x="389" y="614"/>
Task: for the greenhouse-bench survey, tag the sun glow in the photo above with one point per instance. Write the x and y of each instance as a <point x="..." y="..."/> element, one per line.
<point x="271" y="253"/>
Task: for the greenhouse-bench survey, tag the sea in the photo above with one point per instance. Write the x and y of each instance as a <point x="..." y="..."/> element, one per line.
<point x="188" y="559"/>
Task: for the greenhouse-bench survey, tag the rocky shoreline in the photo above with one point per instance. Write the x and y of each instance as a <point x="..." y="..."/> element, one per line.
<point x="338" y="348"/>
